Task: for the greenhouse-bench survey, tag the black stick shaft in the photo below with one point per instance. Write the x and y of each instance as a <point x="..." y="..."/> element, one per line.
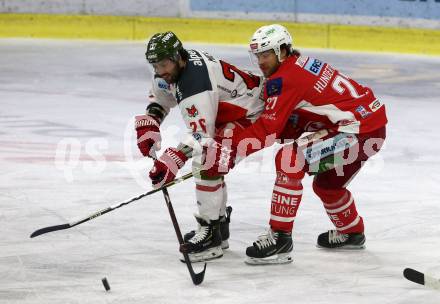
<point x="108" y="209"/>
<point x="197" y="278"/>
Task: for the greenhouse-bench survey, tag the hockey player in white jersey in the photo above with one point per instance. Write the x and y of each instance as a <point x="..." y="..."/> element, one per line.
<point x="214" y="98"/>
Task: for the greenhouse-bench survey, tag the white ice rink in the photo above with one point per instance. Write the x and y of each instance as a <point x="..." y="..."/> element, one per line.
<point x="67" y="149"/>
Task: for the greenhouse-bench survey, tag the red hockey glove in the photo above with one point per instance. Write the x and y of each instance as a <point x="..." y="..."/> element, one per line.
<point x="165" y="168"/>
<point x="219" y="158"/>
<point x="148" y="134"/>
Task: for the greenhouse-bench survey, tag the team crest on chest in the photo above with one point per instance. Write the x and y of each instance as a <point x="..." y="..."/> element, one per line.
<point x="192" y="112"/>
<point x="273" y="87"/>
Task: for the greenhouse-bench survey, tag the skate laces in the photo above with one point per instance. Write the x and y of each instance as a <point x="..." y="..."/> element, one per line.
<point x="200" y="235"/>
<point x="336" y="237"/>
<point x="265" y="240"/>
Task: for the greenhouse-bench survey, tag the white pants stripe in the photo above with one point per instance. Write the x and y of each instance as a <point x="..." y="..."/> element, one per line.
<point x="340" y="208"/>
<point x="287" y="191"/>
<point x="352" y="224"/>
<point x="282" y="219"/>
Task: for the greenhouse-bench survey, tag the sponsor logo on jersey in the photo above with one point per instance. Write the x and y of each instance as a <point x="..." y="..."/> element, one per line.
<point x="233" y="93"/>
<point x="224" y="89"/>
<point x="333" y="145"/>
<point x="375" y="105"/>
<point x="282" y="178"/>
<point x="362" y="111"/>
<point x="197" y="136"/>
<point x="192" y="112"/>
<point x="269" y="116"/>
<point x="314" y="66"/>
<point x="162" y="84"/>
<point x="195" y="58"/>
<point x="273" y="87"/>
<point x="301" y="61"/>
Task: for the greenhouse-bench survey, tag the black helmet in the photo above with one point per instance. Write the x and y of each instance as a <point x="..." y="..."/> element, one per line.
<point x="163" y="45"/>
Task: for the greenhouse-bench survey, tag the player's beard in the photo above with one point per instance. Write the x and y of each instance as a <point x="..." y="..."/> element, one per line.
<point x="269" y="70"/>
<point x="175" y="73"/>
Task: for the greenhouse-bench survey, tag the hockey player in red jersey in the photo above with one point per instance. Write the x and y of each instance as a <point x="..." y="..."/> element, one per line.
<point x="214" y="98"/>
<point x="347" y="125"/>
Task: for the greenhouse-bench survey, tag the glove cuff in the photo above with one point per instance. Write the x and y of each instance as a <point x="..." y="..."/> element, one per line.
<point x="177" y="156"/>
<point x="145" y="121"/>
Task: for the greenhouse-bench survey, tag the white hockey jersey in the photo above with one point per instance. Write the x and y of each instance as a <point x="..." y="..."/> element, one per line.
<point x="210" y="93"/>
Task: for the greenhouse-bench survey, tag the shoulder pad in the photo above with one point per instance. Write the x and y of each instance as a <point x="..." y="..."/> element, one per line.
<point x="195" y="77"/>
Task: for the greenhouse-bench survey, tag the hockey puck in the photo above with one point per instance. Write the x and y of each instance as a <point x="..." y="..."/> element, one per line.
<point x="414" y="276"/>
<point x="105" y="283"/>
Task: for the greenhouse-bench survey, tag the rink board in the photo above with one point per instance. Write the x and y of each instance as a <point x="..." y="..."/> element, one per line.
<point x="344" y="37"/>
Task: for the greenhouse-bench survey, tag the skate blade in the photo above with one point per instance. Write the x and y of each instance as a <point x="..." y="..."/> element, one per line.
<point x="282" y="258"/>
<point x="225" y="244"/>
<point x="207" y="255"/>
<point x="346" y="247"/>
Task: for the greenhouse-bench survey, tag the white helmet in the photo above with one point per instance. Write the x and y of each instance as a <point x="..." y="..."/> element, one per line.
<point x="270" y="37"/>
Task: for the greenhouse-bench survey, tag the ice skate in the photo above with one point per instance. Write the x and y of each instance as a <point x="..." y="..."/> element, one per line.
<point x="334" y="239"/>
<point x="273" y="247"/>
<point x="206" y="242"/>
<point x="224" y="229"/>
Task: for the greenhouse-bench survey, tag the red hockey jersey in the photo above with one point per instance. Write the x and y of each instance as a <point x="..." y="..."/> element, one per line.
<point x="307" y="95"/>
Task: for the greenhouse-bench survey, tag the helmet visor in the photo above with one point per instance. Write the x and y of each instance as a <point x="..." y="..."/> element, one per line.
<point x="256" y="57"/>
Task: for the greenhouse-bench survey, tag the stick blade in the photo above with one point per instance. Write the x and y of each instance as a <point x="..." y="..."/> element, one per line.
<point x="414" y="276"/>
<point x="49" y="229"/>
<point x="197" y="278"/>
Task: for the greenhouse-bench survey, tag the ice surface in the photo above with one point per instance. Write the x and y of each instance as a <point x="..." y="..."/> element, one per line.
<point x="67" y="149"/>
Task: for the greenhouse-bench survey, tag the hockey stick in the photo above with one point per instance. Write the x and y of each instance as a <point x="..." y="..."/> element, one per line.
<point x="197" y="278"/>
<point x="421" y="278"/>
<point x="108" y="209"/>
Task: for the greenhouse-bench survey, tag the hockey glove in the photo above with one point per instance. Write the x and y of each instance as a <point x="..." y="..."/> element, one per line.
<point x="219" y="158"/>
<point x="165" y="168"/>
<point x="148" y="134"/>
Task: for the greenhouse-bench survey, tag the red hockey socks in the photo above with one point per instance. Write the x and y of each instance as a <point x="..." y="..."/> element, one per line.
<point x="284" y="205"/>
<point x="341" y="209"/>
